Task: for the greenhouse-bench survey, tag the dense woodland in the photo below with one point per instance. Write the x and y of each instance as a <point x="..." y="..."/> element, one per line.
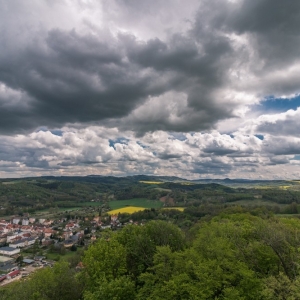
<point x="237" y="254"/>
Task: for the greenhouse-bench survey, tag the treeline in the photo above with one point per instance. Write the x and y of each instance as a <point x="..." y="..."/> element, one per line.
<point x="234" y="255"/>
<point x="281" y="196"/>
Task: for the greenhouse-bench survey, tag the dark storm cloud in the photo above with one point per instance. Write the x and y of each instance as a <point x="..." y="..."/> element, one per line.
<point x="62" y="76"/>
<point x="75" y="79"/>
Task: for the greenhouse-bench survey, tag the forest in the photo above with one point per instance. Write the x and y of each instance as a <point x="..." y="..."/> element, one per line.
<point x="31" y="195"/>
<point x="237" y="254"/>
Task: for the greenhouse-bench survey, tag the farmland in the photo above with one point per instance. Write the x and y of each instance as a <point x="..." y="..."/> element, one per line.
<point x="127" y="209"/>
<point x="137" y="202"/>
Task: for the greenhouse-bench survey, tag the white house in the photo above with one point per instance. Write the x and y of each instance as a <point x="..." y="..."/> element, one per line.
<point x="23" y="242"/>
<point x="9" y="251"/>
<point x="25" y="222"/>
<point x="16" y="220"/>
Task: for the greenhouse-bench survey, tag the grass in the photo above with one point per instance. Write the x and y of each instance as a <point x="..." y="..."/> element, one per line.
<point x="128" y="209"/>
<point x="137" y="202"/>
<point x="66" y="256"/>
<point x="162" y="189"/>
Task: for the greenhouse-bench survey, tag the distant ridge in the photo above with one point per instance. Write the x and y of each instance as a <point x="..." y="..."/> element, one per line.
<point x="137" y="178"/>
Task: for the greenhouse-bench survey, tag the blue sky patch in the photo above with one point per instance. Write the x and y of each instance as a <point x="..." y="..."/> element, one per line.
<point x="272" y="104"/>
<point x="57" y="132"/>
<point x="260" y="136"/>
<point x="118" y="141"/>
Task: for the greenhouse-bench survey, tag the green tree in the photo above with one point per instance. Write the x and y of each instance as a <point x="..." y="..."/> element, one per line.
<point x="59" y="282"/>
<point x="105" y="273"/>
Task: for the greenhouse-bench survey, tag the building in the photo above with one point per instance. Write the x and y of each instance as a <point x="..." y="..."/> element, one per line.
<point x="31" y="220"/>
<point x="16" y="220"/>
<point x="9" y="251"/>
<point x="23" y="242"/>
<point x="3" y="238"/>
<point x="68" y="243"/>
<point x="25" y="222"/>
<point x="4" y="260"/>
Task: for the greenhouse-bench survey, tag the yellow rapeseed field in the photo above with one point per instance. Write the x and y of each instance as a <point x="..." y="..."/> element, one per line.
<point x="127" y="209"/>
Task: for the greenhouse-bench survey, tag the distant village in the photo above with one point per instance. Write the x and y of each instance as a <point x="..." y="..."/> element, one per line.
<point x="17" y="235"/>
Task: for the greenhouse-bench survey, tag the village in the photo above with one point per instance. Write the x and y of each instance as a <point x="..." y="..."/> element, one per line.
<point x="28" y="244"/>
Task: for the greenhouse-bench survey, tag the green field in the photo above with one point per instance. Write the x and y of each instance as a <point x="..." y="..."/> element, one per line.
<point x="140" y="202"/>
<point x="65" y="257"/>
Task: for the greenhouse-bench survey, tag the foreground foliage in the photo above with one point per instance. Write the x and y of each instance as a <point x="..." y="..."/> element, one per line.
<point x="234" y="255"/>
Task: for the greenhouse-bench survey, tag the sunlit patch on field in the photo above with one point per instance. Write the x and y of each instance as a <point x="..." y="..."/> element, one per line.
<point x="151" y="182"/>
<point x="128" y="210"/>
<point x="177" y="208"/>
<point x="284" y="187"/>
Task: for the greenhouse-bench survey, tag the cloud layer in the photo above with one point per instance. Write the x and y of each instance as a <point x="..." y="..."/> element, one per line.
<point x="128" y="87"/>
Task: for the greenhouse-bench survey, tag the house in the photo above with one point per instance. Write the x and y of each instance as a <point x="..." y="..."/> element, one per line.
<point x="3" y="223"/>
<point x="8" y="268"/>
<point x="31" y="240"/>
<point x="31" y="220"/>
<point x="28" y="261"/>
<point x="67" y="235"/>
<point x="13" y="274"/>
<point x="3" y="238"/>
<point x="26" y="228"/>
<point x="48" y="232"/>
<point x="16" y="220"/>
<point x="23" y="242"/>
<point x="8" y="228"/>
<point x="47" y="241"/>
<point x="13" y="237"/>
<point x="39" y="258"/>
<point x="48" y="222"/>
<point x="25" y="222"/>
<point x="4" y="260"/>
<point x="9" y="251"/>
<point x="68" y="243"/>
<point x="17" y="244"/>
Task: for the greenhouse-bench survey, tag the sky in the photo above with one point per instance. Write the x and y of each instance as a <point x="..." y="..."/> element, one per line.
<point x="195" y="89"/>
